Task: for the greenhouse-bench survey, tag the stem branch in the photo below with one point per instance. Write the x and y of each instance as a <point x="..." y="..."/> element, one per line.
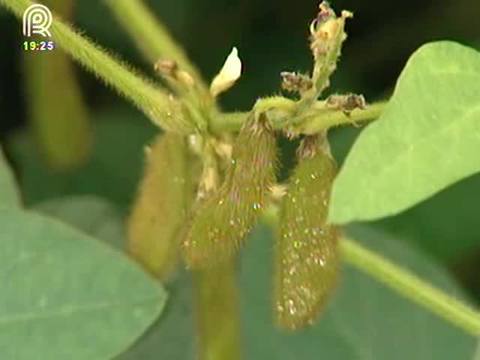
<point x="320" y="119"/>
<point x="330" y="118"/>
<point x="410" y="286"/>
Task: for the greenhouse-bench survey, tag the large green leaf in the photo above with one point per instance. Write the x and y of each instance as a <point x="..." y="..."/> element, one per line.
<point x="9" y="195"/>
<point x="65" y="295"/>
<point x="364" y="321"/>
<point x="445" y="225"/>
<point x="427" y="139"/>
<point x="174" y="330"/>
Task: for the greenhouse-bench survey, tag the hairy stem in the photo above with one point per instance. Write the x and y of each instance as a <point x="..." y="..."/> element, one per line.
<point x="326" y="119"/>
<point x="150" y="35"/>
<point x="154" y="102"/>
<point x="217" y="312"/>
<point x="318" y="120"/>
<point x="410" y="286"/>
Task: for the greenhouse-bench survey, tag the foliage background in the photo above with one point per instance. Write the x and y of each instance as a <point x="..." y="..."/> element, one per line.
<point x="271" y="36"/>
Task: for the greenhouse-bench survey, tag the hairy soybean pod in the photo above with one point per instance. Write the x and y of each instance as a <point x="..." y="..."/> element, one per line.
<point x="161" y="206"/>
<point x="307" y="256"/>
<point x="224" y="218"/>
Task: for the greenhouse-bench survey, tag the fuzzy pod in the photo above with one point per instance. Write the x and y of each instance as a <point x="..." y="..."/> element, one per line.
<point x="222" y="220"/>
<point x="160" y="209"/>
<point x="306" y="255"/>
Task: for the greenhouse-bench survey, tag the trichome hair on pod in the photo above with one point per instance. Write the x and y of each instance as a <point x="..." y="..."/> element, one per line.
<point x="223" y="219"/>
<point x="306" y="253"/>
<point x="160" y="209"/>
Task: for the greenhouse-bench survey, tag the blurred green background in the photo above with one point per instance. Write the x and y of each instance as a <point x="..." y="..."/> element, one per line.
<point x="272" y="37"/>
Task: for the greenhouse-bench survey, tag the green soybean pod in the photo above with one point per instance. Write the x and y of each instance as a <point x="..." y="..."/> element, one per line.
<point x="222" y="220"/>
<point x="306" y="255"/>
<point x="160" y="209"/>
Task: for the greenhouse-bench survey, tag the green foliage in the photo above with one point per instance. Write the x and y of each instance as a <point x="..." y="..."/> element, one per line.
<point x="9" y="195"/>
<point x="64" y="295"/>
<point x="426" y="140"/>
<point x="445" y="225"/>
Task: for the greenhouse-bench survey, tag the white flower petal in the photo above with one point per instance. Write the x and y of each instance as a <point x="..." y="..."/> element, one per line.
<point x="230" y="73"/>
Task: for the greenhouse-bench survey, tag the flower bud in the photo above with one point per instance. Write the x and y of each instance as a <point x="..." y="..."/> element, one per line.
<point x="228" y="76"/>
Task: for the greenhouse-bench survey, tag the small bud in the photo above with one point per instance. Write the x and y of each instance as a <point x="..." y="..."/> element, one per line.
<point x="160" y="209"/>
<point x="169" y="70"/>
<point x="346" y="103"/>
<point x="228" y="76"/>
<point x="327" y="36"/>
<point x="223" y="220"/>
<point x="166" y="67"/>
<point x="294" y="82"/>
<point x="306" y="254"/>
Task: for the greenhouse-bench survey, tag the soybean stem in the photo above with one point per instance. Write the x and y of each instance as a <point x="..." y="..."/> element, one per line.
<point x="410" y="286"/>
<point x="320" y="119"/>
<point x="217" y="313"/>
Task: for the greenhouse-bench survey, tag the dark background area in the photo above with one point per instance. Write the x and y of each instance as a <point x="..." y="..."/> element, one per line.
<point x="272" y="36"/>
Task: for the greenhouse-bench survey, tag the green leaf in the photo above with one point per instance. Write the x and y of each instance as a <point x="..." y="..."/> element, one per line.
<point x="9" y="195"/>
<point x="67" y="296"/>
<point x="364" y="320"/>
<point x="113" y="171"/>
<point x="445" y="226"/>
<point x="427" y="139"/>
<point x="93" y="215"/>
